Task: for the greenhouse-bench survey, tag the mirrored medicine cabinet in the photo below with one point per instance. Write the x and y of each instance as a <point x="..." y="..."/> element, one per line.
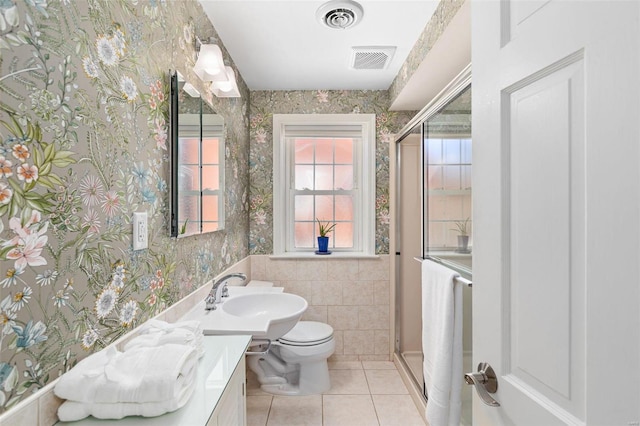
<point x="197" y="162"/>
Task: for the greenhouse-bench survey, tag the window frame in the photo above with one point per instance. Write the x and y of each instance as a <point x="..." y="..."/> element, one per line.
<point x="364" y="163"/>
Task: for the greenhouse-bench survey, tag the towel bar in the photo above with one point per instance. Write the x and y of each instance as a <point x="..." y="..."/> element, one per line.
<point x="459" y="279"/>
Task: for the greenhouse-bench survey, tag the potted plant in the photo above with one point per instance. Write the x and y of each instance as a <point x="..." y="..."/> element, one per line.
<point x="323" y="240"/>
<point x="463" y="235"/>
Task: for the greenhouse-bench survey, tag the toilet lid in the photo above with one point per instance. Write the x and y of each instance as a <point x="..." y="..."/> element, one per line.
<point x="308" y="332"/>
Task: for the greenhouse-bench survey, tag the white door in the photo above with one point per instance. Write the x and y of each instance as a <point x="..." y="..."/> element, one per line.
<point x="556" y="112"/>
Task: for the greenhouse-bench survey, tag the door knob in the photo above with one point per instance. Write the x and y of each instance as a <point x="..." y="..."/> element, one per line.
<point x="485" y="382"/>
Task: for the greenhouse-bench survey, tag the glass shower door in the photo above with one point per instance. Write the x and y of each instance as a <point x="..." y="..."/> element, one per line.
<point x="433" y="199"/>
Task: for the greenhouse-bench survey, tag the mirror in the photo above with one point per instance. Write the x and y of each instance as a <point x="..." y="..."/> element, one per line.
<point x="197" y="162"/>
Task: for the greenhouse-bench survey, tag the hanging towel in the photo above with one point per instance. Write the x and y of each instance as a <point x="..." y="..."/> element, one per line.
<point x="145" y="374"/>
<point x="442" y="343"/>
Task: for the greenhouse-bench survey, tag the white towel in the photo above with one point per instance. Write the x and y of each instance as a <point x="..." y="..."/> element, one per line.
<point x="442" y="343"/>
<point x="145" y="374"/>
<point x="71" y="411"/>
<point x="158" y="333"/>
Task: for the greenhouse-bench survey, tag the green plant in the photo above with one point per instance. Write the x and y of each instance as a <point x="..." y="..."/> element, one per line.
<point x="324" y="229"/>
<point x="461" y="227"/>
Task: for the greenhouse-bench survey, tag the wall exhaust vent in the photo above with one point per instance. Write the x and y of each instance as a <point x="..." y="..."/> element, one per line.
<point x="371" y="57"/>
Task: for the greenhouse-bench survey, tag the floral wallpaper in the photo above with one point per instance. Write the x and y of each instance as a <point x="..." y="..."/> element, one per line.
<point x="262" y="107"/>
<point x="83" y="145"/>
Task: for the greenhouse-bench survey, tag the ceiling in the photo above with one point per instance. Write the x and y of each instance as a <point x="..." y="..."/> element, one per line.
<point x="280" y="45"/>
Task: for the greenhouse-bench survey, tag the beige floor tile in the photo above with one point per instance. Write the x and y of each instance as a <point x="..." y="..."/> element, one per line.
<point x="378" y="365"/>
<point x="345" y="365"/>
<point x="258" y="410"/>
<point x="296" y="411"/>
<point x="352" y="410"/>
<point x="347" y="382"/>
<point x="385" y="382"/>
<point x="394" y="410"/>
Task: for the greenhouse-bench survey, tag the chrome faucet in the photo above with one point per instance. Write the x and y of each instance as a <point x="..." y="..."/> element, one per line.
<point x="219" y="290"/>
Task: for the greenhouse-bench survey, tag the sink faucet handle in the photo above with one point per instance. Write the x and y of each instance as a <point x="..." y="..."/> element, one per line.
<point x="225" y="290"/>
<point x="210" y="302"/>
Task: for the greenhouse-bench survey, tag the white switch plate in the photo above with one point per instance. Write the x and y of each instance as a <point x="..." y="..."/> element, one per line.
<point x="140" y="231"/>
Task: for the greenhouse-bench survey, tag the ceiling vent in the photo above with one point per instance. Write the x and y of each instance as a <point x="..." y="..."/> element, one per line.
<point x="371" y="57"/>
<point x="340" y="14"/>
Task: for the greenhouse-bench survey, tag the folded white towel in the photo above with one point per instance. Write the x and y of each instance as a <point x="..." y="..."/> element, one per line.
<point x="442" y="343"/>
<point x="144" y="374"/>
<point x="71" y="411"/>
<point x="157" y="333"/>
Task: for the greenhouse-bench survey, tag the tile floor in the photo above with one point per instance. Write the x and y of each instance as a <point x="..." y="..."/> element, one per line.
<point x="362" y="393"/>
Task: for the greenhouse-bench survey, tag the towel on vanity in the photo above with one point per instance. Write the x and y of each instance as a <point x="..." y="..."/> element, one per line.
<point x="71" y="411"/>
<point x="157" y="333"/>
<point x="442" y="343"/>
<point x="144" y="374"/>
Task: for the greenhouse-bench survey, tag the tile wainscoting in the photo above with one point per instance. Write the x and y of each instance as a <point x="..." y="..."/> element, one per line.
<point x="351" y="295"/>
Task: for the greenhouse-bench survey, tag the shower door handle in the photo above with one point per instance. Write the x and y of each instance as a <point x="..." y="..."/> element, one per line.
<point x="485" y="381"/>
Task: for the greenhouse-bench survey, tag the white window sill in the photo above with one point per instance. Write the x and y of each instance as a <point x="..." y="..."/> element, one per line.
<point x="334" y="255"/>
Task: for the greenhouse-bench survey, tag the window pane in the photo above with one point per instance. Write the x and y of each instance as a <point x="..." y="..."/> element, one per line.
<point x="324" y="178"/>
<point x="210" y="178"/>
<point x="451" y="177"/>
<point x="324" y="208"/>
<point x="189" y="178"/>
<point x="344" y="207"/>
<point x="466" y="177"/>
<point x="451" y="150"/>
<point x="304" y="207"/>
<point x="189" y="209"/>
<point x="210" y="207"/>
<point x="210" y="151"/>
<point x="344" y="177"/>
<point x="304" y="177"/>
<point x="434" y="174"/>
<point x="304" y="234"/>
<point x="342" y="235"/>
<point x="303" y="151"/>
<point x="188" y="150"/>
<point x="324" y="151"/>
<point x="466" y="150"/>
<point x="344" y="151"/>
<point x="209" y="226"/>
<point x="434" y="151"/>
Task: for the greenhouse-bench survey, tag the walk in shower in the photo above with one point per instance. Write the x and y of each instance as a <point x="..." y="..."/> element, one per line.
<point x="433" y="219"/>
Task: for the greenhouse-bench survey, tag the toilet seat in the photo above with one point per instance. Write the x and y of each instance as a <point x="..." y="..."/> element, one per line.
<point x="307" y="333"/>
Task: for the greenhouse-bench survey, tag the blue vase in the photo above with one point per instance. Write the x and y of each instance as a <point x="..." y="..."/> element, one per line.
<point x="323" y="244"/>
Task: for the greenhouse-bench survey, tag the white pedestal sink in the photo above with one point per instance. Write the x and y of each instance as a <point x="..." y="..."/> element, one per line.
<point x="264" y="315"/>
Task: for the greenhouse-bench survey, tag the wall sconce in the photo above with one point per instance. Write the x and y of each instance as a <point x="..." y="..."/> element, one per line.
<point x="226" y="88"/>
<point x="210" y="65"/>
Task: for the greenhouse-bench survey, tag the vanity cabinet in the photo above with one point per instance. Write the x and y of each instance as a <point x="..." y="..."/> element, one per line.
<point x="219" y="397"/>
<point x="232" y="407"/>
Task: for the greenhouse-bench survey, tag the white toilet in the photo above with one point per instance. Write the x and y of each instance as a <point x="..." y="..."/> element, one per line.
<point x="296" y="363"/>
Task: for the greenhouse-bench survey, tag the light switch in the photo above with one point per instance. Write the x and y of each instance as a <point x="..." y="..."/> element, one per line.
<point x="140" y="231"/>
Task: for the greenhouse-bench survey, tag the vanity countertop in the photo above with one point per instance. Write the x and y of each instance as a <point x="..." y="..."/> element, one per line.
<point x="221" y="356"/>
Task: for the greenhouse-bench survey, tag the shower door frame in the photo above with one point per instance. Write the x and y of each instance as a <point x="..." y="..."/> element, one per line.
<point x="461" y="82"/>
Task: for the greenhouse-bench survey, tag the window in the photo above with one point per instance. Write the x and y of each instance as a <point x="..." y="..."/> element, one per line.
<point x="200" y="174"/>
<point x="324" y="168"/>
